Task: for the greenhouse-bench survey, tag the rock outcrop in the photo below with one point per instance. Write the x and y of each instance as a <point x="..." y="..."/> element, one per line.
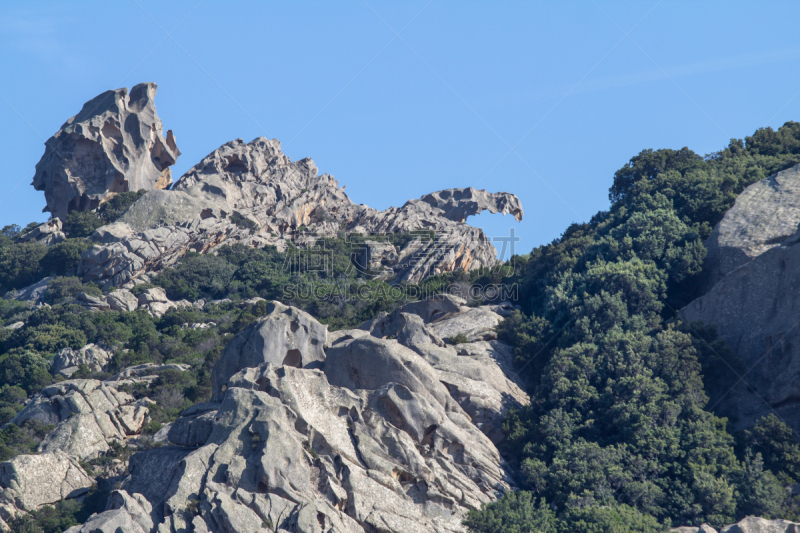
<point x="124" y="514"/>
<point x="766" y="215"/>
<point x="88" y="414"/>
<point x="67" y="361"/>
<point x="356" y="433"/>
<point x="285" y="336"/>
<point x="48" y="233"/>
<point x="122" y="300"/>
<point x="750" y="524"/>
<point x="27" y="482"/>
<point x="755" y="256"/>
<point x="253" y="194"/>
<point x="754" y="524"/>
<point x="115" y="144"/>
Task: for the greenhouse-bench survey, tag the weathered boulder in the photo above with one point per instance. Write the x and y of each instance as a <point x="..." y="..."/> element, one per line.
<point x="27" y="482"/>
<point x="68" y="360"/>
<point x="122" y="300"/>
<point x="33" y="293"/>
<point x="115" y="144"/>
<point x="144" y="372"/>
<point x="194" y="425"/>
<point x="156" y="294"/>
<point x="477" y="323"/>
<point x="705" y="528"/>
<point x="48" y="233"/>
<point x="753" y="524"/>
<point x="87" y="414"/>
<point x="389" y="324"/>
<point x="285" y="336"/>
<point x="478" y="375"/>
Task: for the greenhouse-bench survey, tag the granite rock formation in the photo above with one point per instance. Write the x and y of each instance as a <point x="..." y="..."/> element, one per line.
<point x="750" y="524"/>
<point x="356" y="433"/>
<point x="87" y="413"/>
<point x="115" y="144"/>
<point x="251" y="193"/>
<point x="48" y="233"/>
<point x="67" y="361"/>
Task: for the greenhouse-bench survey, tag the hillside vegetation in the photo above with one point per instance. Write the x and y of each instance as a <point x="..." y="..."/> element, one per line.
<point x="618" y="436"/>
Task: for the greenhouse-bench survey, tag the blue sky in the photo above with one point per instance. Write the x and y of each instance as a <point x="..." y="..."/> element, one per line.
<point x="398" y="99"/>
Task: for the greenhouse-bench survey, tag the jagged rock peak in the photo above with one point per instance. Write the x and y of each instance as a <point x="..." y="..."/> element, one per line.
<point x="115" y="144"/>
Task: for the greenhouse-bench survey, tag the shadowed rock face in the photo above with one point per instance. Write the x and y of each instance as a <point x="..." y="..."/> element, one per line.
<point x="115" y="144"/>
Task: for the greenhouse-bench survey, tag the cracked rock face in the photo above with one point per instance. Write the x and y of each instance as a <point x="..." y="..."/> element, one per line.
<point x="115" y="144"/>
<point x="256" y="183"/>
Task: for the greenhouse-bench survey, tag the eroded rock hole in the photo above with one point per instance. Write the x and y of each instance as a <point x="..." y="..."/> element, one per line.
<point x="293" y="358"/>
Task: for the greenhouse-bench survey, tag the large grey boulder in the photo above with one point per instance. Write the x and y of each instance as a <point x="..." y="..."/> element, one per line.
<point x="477" y="323"/>
<point x="34" y="293"/>
<point x="115" y="144"/>
<point x="705" y="528"/>
<point x="27" y="482"/>
<point x="68" y="360"/>
<point x="285" y="336"/>
<point x="122" y="300"/>
<point x="92" y="303"/>
<point x="124" y="514"/>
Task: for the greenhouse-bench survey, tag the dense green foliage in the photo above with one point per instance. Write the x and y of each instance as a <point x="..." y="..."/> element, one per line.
<point x="334" y="291"/>
<point x="618" y="413"/>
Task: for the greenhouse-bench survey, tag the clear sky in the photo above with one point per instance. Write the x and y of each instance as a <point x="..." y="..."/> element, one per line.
<point x="398" y="99"/>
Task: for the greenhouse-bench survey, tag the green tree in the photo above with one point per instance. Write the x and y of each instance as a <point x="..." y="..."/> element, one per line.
<point x="515" y="512"/>
<point x="63" y="258"/>
<point x="81" y="224"/>
<point x="19" y="264"/>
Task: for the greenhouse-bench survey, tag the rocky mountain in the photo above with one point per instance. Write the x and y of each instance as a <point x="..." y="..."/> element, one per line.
<point x="753" y="267"/>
